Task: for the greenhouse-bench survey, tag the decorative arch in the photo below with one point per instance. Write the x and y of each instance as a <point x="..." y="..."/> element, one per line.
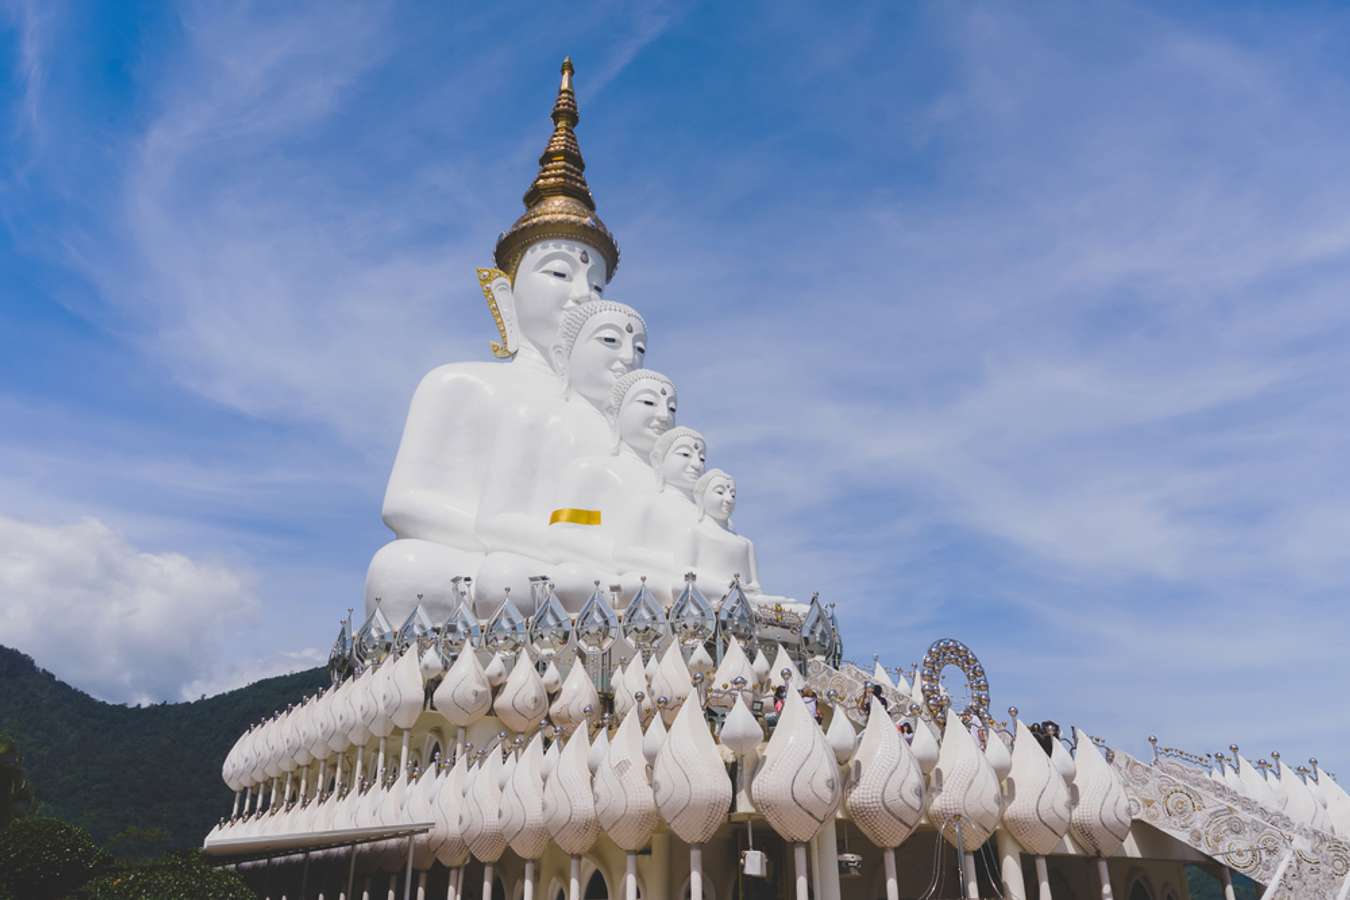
<point x="1141" y="887"/>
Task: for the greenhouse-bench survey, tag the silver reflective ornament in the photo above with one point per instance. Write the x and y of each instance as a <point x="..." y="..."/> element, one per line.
<point x="597" y="625"/>
<point x="551" y="626"/>
<point x="506" y="631"/>
<point x="692" y="618"/>
<point x="644" y="621"/>
<point x="736" y="617"/>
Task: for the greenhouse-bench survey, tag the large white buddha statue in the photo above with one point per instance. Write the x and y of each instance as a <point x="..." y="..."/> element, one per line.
<point x="597" y="496"/>
<point x="712" y="549"/>
<point x="660" y="518"/>
<point x="557" y="255"/>
<point x="597" y="344"/>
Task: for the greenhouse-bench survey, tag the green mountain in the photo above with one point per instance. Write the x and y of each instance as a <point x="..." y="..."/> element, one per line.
<point x="118" y="770"/>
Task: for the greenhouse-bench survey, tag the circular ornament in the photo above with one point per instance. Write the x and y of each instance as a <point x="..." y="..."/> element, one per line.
<point x="949" y="652"/>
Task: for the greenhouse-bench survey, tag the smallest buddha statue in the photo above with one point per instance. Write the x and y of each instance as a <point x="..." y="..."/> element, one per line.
<point x="660" y="518"/>
<point x="711" y="548"/>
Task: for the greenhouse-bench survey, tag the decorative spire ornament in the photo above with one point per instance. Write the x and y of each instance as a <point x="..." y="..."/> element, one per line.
<point x="558" y="204"/>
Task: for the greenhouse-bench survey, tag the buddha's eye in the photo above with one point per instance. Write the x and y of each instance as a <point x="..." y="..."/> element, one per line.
<point x="557" y="274"/>
<point x="641" y="348"/>
<point x="598" y="288"/>
<point x="610" y="339"/>
<point x="648" y="402"/>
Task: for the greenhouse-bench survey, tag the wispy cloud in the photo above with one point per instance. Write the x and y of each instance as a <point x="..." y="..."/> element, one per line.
<point x="1012" y="326"/>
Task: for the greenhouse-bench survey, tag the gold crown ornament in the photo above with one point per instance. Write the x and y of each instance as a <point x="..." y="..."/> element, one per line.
<point x="558" y="204"/>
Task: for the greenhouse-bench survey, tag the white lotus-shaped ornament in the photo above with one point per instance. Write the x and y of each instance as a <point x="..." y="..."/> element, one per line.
<point x="419" y="809"/>
<point x="925" y="744"/>
<point x="380" y="689"/>
<point x="672" y="681"/>
<point x="781" y="662"/>
<point x="1038" y="808"/>
<point x="885" y="793"/>
<point x="522" y="803"/>
<point x="654" y="739"/>
<point x="735" y="664"/>
<point x="797" y="786"/>
<point x="1063" y="762"/>
<point x="577" y="695"/>
<point x="404" y="697"/>
<point x="1101" y="811"/>
<point x="762" y="668"/>
<point x="522" y="702"/>
<point x="496" y="670"/>
<point x="569" y="807"/>
<point x="841" y="737"/>
<point x="447" y="814"/>
<point x="689" y="779"/>
<point x="963" y="788"/>
<point x="464" y="695"/>
<point x="624" y="805"/>
<point x="483" y="819"/>
<point x="996" y="752"/>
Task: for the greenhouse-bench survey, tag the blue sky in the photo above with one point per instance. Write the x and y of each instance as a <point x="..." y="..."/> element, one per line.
<point x="1022" y="326"/>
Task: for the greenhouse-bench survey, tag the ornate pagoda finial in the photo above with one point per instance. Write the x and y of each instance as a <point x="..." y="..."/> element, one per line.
<point x="559" y="204"/>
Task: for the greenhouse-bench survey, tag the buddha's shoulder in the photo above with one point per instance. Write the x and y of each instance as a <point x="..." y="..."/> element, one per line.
<point x="484" y="378"/>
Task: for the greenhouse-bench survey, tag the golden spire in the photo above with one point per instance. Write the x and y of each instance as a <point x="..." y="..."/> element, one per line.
<point x="559" y="204"/>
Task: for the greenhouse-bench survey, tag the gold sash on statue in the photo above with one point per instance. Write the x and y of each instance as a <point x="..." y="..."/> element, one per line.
<point x="575" y="516"/>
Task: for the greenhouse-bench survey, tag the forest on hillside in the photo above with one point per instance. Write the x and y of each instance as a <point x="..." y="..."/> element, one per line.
<point x="140" y="779"/>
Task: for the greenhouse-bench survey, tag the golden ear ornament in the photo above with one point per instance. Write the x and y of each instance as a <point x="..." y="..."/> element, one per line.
<point x="502" y="349"/>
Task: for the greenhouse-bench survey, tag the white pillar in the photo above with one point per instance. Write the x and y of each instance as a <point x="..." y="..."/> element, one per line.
<point x="574" y="879"/>
<point x="892" y="882"/>
<point x="528" y="892"/>
<point x="827" y="860"/>
<point x="799" y="856"/>
<point x="487" y="881"/>
<point x="972" y="880"/>
<point x="630" y="889"/>
<point x="658" y="873"/>
<point x="1043" y="880"/>
<point x="1010" y="866"/>
<point x="1226" y="876"/>
<point x="1104" y="874"/>
<point x="695" y="872"/>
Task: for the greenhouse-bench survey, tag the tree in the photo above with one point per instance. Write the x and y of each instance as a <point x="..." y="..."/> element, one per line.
<point x="43" y="859"/>
<point x="176" y="875"/>
<point x="16" y="795"/>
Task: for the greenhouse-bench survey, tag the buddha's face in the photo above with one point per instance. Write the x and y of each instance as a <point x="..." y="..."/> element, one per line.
<point x="554" y="275"/>
<point x="719" y="500"/>
<point x="610" y="345"/>
<point x="684" y="463"/>
<point x="648" y="412"/>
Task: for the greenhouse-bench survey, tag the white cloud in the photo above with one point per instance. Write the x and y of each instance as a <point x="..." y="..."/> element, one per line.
<point x="124" y="624"/>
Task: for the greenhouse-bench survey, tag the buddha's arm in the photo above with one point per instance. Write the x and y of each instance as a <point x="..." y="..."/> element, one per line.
<point x="510" y="512"/>
<point x="641" y="553"/>
<point x="753" y="585"/>
<point x="587" y="486"/>
<point x="433" y="488"/>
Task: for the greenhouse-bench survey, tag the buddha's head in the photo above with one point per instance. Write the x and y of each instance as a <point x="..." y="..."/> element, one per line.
<point x="554" y="276"/>
<point x="598" y="343"/>
<point x="558" y="253"/>
<point x="679" y="457"/>
<point x="641" y="409"/>
<point x="715" y="496"/>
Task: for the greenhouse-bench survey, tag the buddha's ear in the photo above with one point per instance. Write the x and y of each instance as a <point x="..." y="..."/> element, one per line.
<point x="496" y="287"/>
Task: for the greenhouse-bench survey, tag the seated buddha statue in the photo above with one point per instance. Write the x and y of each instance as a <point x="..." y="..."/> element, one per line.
<point x="556" y="256"/>
<point x="598" y="343"/>
<point x="641" y="408"/>
<point x="712" y="549"/>
<point x="660" y="518"/>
